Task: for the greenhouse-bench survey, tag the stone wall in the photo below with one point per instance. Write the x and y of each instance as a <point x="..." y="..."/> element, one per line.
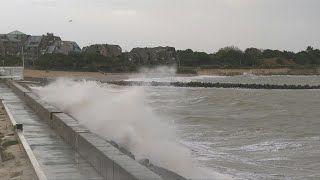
<point x="12" y="72"/>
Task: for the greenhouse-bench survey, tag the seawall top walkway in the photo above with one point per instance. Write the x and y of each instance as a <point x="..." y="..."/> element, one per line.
<point x="57" y="159"/>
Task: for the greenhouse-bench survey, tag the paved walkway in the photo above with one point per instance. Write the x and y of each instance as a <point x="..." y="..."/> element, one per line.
<point x="57" y="159"/>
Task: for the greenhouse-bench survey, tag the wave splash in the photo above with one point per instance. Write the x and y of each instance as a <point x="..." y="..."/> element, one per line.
<point x="123" y="116"/>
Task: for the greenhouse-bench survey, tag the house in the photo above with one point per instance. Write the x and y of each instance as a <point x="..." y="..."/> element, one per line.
<point x="18" y="35"/>
<point x="11" y="43"/>
<point x="36" y="46"/>
<point x="156" y="55"/>
<point x="2" y="45"/>
<point x="63" y="47"/>
<point x="132" y="57"/>
<point x="33" y="47"/>
<point x="107" y="50"/>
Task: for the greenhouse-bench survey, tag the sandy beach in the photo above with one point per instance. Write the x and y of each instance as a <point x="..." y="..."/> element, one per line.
<point x="76" y="75"/>
<point x="14" y="163"/>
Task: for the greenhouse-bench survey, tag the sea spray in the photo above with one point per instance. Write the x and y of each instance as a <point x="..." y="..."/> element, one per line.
<point x="122" y="115"/>
<point x="157" y="73"/>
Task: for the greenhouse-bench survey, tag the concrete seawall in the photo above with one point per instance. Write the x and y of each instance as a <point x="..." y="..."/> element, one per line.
<point x="105" y="158"/>
<point x="16" y="88"/>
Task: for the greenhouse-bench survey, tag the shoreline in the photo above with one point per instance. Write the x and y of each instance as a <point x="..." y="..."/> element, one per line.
<point x="199" y="72"/>
<point x="260" y="72"/>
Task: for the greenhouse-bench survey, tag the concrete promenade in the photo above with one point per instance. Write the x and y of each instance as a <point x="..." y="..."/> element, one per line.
<point x="58" y="160"/>
<point x="64" y="148"/>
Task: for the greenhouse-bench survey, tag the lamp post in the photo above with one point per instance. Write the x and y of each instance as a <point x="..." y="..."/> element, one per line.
<point x="177" y="60"/>
<point x="22" y="57"/>
<point x="4" y="70"/>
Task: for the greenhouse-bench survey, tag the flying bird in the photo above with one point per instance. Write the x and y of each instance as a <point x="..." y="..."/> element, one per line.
<point x="70" y="20"/>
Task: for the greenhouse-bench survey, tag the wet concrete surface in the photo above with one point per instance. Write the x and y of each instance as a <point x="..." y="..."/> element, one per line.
<point x="57" y="159"/>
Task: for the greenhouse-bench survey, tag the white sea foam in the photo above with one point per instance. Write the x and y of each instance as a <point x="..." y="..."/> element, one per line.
<point x="272" y="146"/>
<point x="122" y="117"/>
<point x="167" y="74"/>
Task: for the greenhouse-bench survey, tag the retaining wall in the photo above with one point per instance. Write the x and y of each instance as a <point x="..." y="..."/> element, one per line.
<point x="17" y="88"/>
<point x="105" y="158"/>
<point x="12" y="72"/>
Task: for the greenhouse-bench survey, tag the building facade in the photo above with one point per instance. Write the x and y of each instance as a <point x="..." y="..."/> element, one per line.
<point x="106" y="50"/>
<point x="11" y="43"/>
<point x="63" y="47"/>
<point x="156" y="55"/>
<point x="36" y="46"/>
<point x="16" y="42"/>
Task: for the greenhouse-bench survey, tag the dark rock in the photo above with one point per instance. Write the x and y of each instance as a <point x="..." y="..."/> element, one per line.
<point x="212" y="85"/>
<point x="10" y="134"/>
<point x="164" y="173"/>
<point x="6" y="156"/>
<point x="1" y="135"/>
<point x="1" y="148"/>
<point x="114" y="144"/>
<point x="144" y="162"/>
<point x="122" y="149"/>
<point x="128" y="153"/>
<point x="8" y="141"/>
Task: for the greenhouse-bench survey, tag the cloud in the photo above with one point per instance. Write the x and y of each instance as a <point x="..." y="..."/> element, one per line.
<point x="123" y="13"/>
<point x="239" y="3"/>
<point x="44" y="2"/>
<point x="203" y="25"/>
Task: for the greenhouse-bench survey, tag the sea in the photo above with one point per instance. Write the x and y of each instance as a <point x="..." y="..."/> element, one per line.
<point x="239" y="133"/>
<point x="248" y="134"/>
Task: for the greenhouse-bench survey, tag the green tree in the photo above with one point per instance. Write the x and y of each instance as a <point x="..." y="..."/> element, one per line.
<point x="10" y="61"/>
<point x="252" y="56"/>
<point x="268" y="53"/>
<point x="302" y="58"/>
<point x="188" y="58"/>
<point x="230" y="55"/>
<point x="54" y="62"/>
<point x="203" y="58"/>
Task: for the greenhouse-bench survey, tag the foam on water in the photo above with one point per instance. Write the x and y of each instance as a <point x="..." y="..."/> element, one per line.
<point x="124" y="118"/>
<point x="169" y="78"/>
<point x="272" y="146"/>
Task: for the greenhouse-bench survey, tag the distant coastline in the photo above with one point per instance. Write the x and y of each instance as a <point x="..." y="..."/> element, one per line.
<point x="28" y="73"/>
<point x="259" y="71"/>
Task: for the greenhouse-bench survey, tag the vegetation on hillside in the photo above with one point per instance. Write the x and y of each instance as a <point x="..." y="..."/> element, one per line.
<point x="83" y="62"/>
<point x="251" y="57"/>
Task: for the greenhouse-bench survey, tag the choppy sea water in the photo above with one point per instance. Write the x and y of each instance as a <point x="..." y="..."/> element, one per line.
<point x="250" y="134"/>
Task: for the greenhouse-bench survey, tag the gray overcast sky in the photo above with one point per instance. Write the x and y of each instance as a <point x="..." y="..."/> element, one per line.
<point x="202" y="25"/>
